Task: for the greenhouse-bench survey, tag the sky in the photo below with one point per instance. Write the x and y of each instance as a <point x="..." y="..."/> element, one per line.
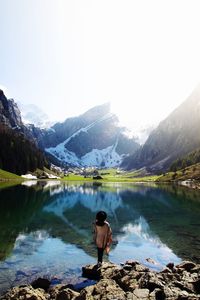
<point x="68" y="56"/>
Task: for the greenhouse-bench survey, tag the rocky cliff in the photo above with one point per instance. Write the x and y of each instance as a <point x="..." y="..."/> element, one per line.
<point x="9" y="112"/>
<point x="19" y="152"/>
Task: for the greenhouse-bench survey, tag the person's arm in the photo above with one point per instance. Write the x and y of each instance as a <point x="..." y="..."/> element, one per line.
<point x="94" y="232"/>
<point x="109" y="236"/>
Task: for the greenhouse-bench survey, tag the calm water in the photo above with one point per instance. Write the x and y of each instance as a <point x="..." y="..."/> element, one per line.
<point x="45" y="229"/>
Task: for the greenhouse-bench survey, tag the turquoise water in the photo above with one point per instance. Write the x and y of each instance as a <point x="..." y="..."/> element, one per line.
<point x="46" y="228"/>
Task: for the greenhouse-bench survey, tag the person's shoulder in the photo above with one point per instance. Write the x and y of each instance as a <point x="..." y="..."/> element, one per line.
<point x="107" y="224"/>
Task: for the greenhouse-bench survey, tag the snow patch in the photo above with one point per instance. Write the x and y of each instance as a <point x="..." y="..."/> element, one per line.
<point x="107" y="157"/>
<point x="29" y="176"/>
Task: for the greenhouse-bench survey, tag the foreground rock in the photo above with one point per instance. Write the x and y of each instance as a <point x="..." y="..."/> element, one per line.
<point x="132" y="281"/>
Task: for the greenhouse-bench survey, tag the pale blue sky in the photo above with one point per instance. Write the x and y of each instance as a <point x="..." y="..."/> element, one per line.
<point x="67" y="56"/>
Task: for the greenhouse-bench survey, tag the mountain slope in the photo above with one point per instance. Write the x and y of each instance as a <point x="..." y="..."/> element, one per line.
<point x="92" y="139"/>
<point x="18" y="154"/>
<point x="9" y="112"/>
<point x="190" y="159"/>
<point x="176" y="136"/>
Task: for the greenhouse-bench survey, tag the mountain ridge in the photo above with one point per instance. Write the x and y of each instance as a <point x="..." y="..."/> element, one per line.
<point x="175" y="136"/>
<point x="96" y="138"/>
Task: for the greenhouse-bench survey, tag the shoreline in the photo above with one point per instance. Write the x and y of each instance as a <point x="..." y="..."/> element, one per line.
<point x="193" y="185"/>
<point x="129" y="281"/>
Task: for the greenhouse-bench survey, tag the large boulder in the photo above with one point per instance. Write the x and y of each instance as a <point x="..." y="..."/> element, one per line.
<point x="25" y="293"/>
<point x="105" y="289"/>
<point x="63" y="292"/>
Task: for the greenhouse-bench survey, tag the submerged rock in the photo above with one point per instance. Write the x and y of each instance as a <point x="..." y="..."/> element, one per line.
<point x="132" y="281"/>
<point x="42" y="283"/>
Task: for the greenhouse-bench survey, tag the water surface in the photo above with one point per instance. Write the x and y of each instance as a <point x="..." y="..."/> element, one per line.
<point x="46" y="228"/>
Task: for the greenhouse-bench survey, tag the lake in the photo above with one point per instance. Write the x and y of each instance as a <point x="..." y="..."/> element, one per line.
<point x="46" y="227"/>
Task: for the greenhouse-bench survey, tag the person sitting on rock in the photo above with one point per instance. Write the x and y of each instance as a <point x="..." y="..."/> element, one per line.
<point x="102" y="235"/>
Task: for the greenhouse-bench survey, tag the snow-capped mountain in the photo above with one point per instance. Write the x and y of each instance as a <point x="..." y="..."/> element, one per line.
<point x="32" y="114"/>
<point x="92" y="139"/>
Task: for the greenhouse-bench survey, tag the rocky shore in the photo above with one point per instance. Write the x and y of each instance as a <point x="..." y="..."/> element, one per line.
<point x="131" y="281"/>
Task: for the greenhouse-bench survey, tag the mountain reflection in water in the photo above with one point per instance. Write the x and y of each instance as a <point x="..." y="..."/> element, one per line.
<point x="47" y="228"/>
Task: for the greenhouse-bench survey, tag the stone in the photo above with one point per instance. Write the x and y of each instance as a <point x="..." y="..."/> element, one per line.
<point x="127" y="267"/>
<point x="150" y="281"/>
<point x="186" y="265"/>
<point x="109" y="270"/>
<point x="25" y="293"/>
<point x="42" y="283"/>
<point x="196" y="269"/>
<point x="151" y="261"/>
<point x="67" y="294"/>
<point x="105" y="289"/>
<point x="141" y="293"/>
<point x="132" y="263"/>
<point x="133" y="282"/>
<point x="91" y="272"/>
<point x="196" y="285"/>
<point x="58" y="289"/>
<point x="170" y="266"/>
<point x="141" y="268"/>
<point x="158" y="294"/>
<point x="128" y="284"/>
<point x="167" y="270"/>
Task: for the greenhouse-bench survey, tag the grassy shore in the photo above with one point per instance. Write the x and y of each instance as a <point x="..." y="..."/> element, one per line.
<point x="8" y="179"/>
<point x="113" y="175"/>
<point x="4" y="175"/>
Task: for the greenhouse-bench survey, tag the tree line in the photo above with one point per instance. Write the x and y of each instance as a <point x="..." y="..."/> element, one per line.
<point x="190" y="159"/>
<point x="17" y="154"/>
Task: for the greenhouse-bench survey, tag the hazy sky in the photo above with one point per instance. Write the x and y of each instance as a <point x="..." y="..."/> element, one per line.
<point x="67" y="56"/>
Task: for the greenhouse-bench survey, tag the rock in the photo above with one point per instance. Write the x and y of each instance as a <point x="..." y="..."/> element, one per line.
<point x="128" y="284"/>
<point x="170" y="266"/>
<point x="109" y="270"/>
<point x="186" y="265"/>
<point x="91" y="272"/>
<point x="42" y="283"/>
<point x="141" y="293"/>
<point x="196" y="285"/>
<point x="150" y="281"/>
<point x="25" y="292"/>
<point x="127" y="267"/>
<point x="184" y="286"/>
<point x="167" y="270"/>
<point x="105" y="289"/>
<point x="151" y="261"/>
<point x="159" y="294"/>
<point x="62" y="291"/>
<point x="141" y="268"/>
<point x="132" y="263"/>
<point x="131" y="282"/>
<point x="196" y="269"/>
<point x="67" y="294"/>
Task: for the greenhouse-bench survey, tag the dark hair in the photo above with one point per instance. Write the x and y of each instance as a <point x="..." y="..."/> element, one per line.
<point x="101" y="217"/>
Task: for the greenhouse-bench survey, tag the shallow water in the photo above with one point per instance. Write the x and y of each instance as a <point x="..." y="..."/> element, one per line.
<point x="45" y="228"/>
